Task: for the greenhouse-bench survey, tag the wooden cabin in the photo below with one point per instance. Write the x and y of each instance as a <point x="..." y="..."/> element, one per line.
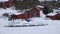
<point x="54" y="17"/>
<point x="35" y="12"/>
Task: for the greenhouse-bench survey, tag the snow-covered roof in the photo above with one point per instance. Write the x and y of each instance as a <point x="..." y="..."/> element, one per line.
<point x="3" y="0"/>
<point x="56" y="11"/>
<point x="40" y="6"/>
<point x="51" y="14"/>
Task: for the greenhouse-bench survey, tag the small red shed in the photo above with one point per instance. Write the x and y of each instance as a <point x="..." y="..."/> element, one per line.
<point x="55" y="17"/>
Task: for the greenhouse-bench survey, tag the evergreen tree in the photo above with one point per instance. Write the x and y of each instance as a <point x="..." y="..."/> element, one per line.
<point x="25" y="4"/>
<point x="46" y="9"/>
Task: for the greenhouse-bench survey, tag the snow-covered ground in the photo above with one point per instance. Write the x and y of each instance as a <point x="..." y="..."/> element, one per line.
<point x="53" y="26"/>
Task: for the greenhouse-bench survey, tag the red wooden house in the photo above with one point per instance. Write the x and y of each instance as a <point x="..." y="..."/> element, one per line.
<point x="55" y="17"/>
<point x="35" y="12"/>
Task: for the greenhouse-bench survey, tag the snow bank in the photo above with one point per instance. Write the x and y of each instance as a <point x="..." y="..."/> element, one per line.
<point x="10" y="11"/>
<point x="53" y="27"/>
